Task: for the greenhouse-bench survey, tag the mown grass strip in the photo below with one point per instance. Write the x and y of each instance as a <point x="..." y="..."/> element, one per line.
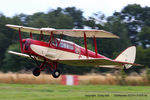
<point x="81" y="92"/>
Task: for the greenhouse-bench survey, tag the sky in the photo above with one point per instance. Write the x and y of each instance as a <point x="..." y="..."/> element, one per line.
<point x="108" y="7"/>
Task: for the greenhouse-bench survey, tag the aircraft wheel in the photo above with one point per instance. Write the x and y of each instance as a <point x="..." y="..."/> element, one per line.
<point x="36" y="72"/>
<point x="56" y="74"/>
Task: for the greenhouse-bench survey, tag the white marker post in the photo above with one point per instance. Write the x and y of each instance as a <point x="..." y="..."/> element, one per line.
<point x="69" y="80"/>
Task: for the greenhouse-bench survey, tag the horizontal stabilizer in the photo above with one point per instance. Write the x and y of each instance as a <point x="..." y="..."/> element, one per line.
<point x="127" y="63"/>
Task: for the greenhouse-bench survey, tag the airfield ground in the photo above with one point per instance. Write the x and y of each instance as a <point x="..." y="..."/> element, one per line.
<point x="81" y="92"/>
<point x="16" y="86"/>
<point x="83" y="79"/>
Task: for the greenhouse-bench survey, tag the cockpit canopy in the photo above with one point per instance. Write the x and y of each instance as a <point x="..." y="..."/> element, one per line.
<point x="66" y="44"/>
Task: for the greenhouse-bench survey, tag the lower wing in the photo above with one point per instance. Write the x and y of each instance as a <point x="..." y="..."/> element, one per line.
<point x="25" y="55"/>
<point x="19" y="54"/>
<point x="98" y="62"/>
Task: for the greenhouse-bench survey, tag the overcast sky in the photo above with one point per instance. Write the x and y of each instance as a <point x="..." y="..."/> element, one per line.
<point x="13" y="7"/>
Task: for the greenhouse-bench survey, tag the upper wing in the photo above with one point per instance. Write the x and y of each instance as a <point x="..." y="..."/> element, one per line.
<point x="68" y="32"/>
<point x="24" y="29"/>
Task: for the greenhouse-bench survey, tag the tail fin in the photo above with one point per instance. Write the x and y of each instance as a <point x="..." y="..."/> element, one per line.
<point x="128" y="55"/>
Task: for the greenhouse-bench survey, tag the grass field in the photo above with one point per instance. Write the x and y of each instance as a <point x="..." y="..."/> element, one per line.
<point x="81" y="92"/>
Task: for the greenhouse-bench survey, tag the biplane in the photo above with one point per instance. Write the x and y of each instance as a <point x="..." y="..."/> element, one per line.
<point x="57" y="50"/>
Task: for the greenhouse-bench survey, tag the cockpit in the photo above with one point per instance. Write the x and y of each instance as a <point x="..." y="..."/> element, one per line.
<point x="26" y="46"/>
<point x="54" y="43"/>
<point x="66" y="45"/>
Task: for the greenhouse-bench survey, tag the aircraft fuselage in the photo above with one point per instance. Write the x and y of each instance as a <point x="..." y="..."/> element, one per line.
<point x="57" y="51"/>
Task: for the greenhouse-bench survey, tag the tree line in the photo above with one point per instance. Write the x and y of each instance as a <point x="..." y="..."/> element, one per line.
<point x="132" y="24"/>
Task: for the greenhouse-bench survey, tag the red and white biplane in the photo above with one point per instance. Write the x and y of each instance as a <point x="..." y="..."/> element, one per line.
<point x="58" y="50"/>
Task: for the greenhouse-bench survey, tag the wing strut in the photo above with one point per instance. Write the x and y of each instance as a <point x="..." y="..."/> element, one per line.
<point x="85" y="43"/>
<point x="20" y="40"/>
<point x="50" y="38"/>
<point x="31" y="35"/>
<point x="41" y="36"/>
<point x="95" y="46"/>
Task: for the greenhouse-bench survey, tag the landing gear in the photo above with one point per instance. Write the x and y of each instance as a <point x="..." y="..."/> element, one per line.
<point x="124" y="68"/>
<point x="56" y="73"/>
<point x="36" y="71"/>
<point x="53" y="66"/>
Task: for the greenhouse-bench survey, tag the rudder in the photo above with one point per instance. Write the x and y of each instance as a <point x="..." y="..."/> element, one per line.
<point x="128" y="55"/>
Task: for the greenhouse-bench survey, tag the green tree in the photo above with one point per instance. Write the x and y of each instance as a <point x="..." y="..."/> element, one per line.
<point x="143" y="56"/>
<point x="77" y="16"/>
<point x="112" y="24"/>
<point x="3" y="45"/>
<point x="136" y="17"/>
<point x="4" y="37"/>
<point x="13" y="62"/>
<point x="96" y="21"/>
<point x="109" y="46"/>
<point x="144" y="37"/>
<point x="55" y="19"/>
